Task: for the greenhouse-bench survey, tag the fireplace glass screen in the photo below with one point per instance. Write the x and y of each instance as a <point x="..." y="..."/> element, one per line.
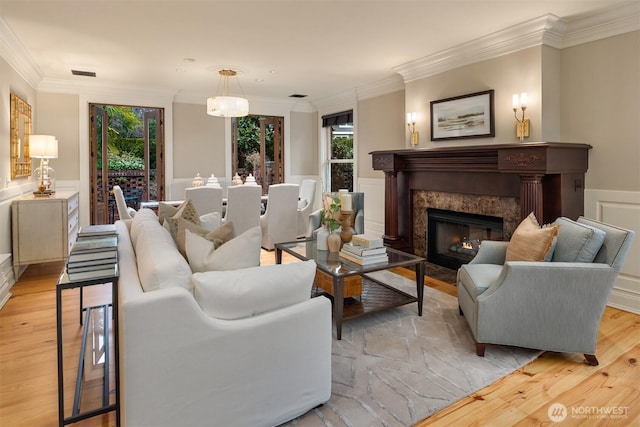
<point x="453" y="238"/>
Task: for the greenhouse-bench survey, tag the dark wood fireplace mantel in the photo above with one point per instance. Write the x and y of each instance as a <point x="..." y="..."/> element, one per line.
<point x="547" y="177"/>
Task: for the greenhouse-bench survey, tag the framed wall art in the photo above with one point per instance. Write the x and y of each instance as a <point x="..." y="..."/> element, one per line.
<point x="466" y="116"/>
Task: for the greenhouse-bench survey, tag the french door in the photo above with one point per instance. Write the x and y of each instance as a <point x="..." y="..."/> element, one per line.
<point x="258" y="148"/>
<point x="126" y="149"/>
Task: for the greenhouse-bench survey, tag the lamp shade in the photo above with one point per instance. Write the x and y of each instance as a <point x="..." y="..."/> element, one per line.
<point x="227" y="106"/>
<point x="43" y="146"/>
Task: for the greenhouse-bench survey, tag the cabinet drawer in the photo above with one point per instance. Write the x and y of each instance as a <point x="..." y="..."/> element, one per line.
<point x="72" y="204"/>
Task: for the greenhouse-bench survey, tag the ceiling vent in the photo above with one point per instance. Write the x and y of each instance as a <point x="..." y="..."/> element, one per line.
<point x="83" y="73"/>
<point x="297" y="95"/>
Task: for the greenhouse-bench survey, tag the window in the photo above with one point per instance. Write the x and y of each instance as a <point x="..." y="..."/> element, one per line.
<point x="339" y="137"/>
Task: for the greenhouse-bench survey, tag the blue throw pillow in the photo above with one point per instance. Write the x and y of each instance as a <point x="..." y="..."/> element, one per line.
<point x="577" y="242"/>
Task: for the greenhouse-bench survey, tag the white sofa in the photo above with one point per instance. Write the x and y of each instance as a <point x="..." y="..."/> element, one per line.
<point x="182" y="366"/>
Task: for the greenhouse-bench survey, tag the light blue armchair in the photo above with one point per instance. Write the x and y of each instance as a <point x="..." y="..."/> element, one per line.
<point x="554" y="306"/>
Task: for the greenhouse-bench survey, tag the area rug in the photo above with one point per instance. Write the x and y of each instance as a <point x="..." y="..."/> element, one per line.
<point x="395" y="368"/>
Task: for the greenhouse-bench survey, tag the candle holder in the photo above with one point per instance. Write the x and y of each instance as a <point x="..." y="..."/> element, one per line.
<point x="347" y="219"/>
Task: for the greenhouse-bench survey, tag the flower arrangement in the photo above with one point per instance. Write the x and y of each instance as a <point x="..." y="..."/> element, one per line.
<point x="331" y="212"/>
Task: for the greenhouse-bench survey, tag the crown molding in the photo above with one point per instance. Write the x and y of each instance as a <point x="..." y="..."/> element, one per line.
<point x="339" y="102"/>
<point x="17" y="56"/>
<point x="95" y="89"/>
<point x="547" y="29"/>
<point x="391" y="84"/>
<point x="607" y="23"/>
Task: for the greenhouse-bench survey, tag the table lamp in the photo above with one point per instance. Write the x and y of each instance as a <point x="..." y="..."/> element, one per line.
<point x="43" y="147"/>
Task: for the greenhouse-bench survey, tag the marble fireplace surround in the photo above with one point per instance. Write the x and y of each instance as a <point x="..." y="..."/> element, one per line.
<point x="507" y="208"/>
<point x="504" y="180"/>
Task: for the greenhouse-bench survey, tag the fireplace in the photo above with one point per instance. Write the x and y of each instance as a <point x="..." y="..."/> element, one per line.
<point x="453" y="238"/>
<point x="504" y="180"/>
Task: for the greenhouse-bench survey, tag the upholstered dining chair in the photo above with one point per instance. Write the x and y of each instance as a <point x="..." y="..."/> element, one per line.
<point x="280" y="221"/>
<point x="553" y="305"/>
<point x="306" y="200"/>
<point x="205" y="199"/>
<point x="124" y="211"/>
<point x="244" y="206"/>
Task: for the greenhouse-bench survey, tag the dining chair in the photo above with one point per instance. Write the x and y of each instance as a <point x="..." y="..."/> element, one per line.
<point x="124" y="211"/>
<point x="280" y="221"/>
<point x="306" y="200"/>
<point x="205" y="199"/>
<point x="244" y="206"/>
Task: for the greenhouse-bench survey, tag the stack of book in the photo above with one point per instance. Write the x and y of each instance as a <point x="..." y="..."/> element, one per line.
<point x="94" y="254"/>
<point x="364" y="249"/>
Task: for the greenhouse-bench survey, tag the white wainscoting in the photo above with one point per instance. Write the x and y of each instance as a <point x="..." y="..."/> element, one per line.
<point x="373" y="189"/>
<point x="621" y="208"/>
<point x="7" y="279"/>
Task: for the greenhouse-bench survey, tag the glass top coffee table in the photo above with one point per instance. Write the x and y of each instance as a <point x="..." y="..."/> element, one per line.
<point x="342" y="280"/>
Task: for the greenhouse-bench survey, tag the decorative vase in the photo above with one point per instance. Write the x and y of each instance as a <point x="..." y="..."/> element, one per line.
<point x="346" y="223"/>
<point x="334" y="242"/>
<point x="321" y="239"/>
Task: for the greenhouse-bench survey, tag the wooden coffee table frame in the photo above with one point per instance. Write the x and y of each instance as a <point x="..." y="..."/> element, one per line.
<point x="376" y="295"/>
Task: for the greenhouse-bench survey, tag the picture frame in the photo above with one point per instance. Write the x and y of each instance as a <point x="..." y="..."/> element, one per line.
<point x="465" y="116"/>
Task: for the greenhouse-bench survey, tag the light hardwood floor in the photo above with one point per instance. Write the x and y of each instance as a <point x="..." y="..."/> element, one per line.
<point x="28" y="376"/>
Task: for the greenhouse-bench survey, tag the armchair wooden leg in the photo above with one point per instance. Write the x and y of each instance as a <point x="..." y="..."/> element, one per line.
<point x="591" y="360"/>
<point x="480" y="347"/>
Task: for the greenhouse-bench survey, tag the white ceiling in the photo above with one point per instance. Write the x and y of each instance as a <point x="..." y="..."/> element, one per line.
<point x="316" y="48"/>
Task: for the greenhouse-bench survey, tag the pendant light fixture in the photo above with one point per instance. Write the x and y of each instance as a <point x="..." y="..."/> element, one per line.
<point x="225" y="105"/>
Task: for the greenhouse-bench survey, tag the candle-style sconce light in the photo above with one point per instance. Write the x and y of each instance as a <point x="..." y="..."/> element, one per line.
<point x="522" y="125"/>
<point x="411" y="124"/>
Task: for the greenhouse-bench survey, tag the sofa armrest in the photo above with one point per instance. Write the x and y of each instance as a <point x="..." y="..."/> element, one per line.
<point x="491" y="252"/>
<point x="211" y="364"/>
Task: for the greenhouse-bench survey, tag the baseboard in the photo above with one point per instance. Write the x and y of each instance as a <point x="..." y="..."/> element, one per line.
<point x="624" y="300"/>
<point x="621" y="208"/>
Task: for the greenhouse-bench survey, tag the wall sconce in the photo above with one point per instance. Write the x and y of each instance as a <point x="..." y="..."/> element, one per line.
<point x="522" y="127"/>
<point x="411" y="124"/>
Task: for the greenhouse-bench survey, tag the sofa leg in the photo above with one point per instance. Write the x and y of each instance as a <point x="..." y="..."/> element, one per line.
<point x="480" y="347"/>
<point x="460" y="310"/>
<point x="590" y="359"/>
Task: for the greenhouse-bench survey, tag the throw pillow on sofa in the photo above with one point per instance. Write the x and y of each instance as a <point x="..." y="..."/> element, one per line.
<point x="187" y="212"/>
<point x="160" y="265"/>
<point x="530" y="242"/>
<point x="244" y="293"/>
<point x="242" y="251"/>
<point x="577" y="242"/>
<point x="218" y="236"/>
<point x="143" y="219"/>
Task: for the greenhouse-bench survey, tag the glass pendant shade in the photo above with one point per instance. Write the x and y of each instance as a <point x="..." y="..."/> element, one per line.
<point x="227" y="106"/>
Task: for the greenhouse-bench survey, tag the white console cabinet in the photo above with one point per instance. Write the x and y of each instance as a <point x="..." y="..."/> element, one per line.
<point x="43" y="228"/>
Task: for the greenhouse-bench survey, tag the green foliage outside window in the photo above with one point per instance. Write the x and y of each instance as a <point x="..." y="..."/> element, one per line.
<point x="249" y="140"/>
<point x="126" y="140"/>
<point x="342" y="147"/>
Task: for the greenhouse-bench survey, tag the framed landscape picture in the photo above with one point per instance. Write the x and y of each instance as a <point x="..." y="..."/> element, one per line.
<point x="466" y="116"/>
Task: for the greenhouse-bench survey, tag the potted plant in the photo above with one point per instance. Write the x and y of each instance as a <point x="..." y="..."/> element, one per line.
<point x="327" y="238"/>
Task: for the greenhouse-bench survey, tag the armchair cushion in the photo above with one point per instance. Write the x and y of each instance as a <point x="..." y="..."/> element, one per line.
<point x="242" y="251"/>
<point x="476" y="278"/>
<point x="577" y="242"/>
<point x="244" y="293"/>
<point x="530" y="242"/>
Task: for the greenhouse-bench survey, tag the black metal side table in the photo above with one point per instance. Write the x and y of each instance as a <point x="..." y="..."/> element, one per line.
<point x="98" y="276"/>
